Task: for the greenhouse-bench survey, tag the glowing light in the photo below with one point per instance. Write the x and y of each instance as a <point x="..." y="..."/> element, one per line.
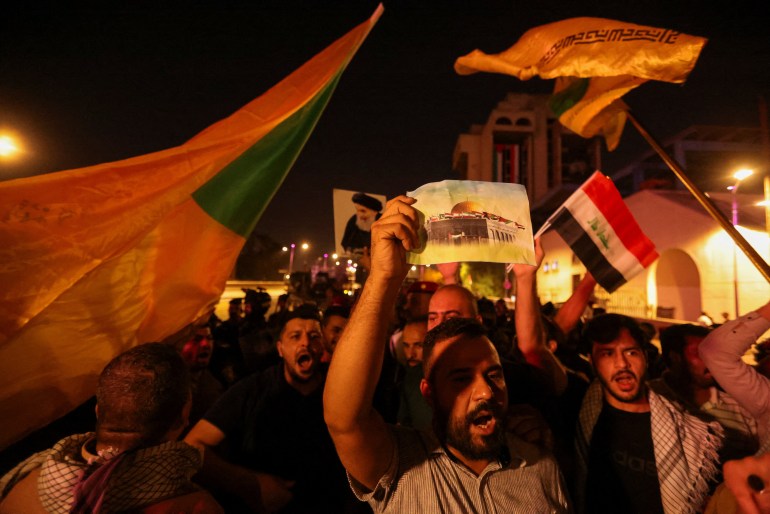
<point x="742" y="174"/>
<point x="337" y="263"/>
<point x="8" y="146"/>
<point x="414" y="268"/>
<point x="287" y="276"/>
<point x="285" y="249"/>
<point x="305" y="246"/>
<point x="335" y="256"/>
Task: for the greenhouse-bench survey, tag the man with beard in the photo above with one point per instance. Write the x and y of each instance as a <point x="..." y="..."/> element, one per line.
<point x="688" y="381"/>
<point x="638" y="451"/>
<point x="267" y="447"/>
<point x="467" y="463"/>
<point x="413" y="410"/>
<point x="357" y="235"/>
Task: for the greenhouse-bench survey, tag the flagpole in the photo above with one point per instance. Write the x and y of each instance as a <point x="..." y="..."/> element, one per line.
<point x="704" y="200"/>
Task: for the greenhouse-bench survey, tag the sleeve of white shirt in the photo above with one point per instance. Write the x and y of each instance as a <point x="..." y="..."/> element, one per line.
<point x="722" y="352"/>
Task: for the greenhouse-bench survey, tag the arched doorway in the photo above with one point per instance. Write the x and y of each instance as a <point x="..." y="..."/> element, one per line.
<point x="678" y="285"/>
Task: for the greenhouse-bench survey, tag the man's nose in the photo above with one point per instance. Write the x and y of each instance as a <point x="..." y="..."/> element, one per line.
<point x="482" y="389"/>
<point x="621" y="361"/>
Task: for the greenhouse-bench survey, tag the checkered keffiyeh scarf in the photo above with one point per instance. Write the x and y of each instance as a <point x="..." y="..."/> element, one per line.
<point x="686" y="451"/>
<point x="130" y="480"/>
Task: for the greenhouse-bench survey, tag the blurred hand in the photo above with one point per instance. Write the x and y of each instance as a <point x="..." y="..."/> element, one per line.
<point x="527" y="423"/>
<point x="276" y="491"/>
<point x="393" y="235"/>
<point x="737" y="473"/>
<point x="448" y="272"/>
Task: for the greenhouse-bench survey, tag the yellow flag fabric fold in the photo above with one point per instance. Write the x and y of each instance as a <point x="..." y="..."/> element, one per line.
<point x="612" y="56"/>
<point x="96" y="260"/>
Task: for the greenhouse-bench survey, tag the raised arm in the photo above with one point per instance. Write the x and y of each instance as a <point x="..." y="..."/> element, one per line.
<point x="722" y="351"/>
<point x="530" y="335"/>
<point x="360" y="435"/>
<point x="569" y="313"/>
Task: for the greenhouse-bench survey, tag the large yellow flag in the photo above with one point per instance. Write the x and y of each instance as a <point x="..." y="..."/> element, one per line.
<point x="96" y="260"/>
<point x="595" y="61"/>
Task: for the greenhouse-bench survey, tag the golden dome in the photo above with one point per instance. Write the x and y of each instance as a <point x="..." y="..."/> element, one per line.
<point x="467" y="206"/>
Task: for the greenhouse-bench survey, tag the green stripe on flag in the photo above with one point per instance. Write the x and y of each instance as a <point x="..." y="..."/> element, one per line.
<point x="238" y="195"/>
<point x="567" y="98"/>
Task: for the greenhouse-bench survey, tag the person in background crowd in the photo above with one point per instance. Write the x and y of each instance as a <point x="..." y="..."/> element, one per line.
<point x="266" y="444"/>
<point x="255" y="339"/>
<point x="197" y="353"/>
<point x="688" y="381"/>
<point x="332" y="324"/>
<point x="227" y="361"/>
<point x="413" y="410"/>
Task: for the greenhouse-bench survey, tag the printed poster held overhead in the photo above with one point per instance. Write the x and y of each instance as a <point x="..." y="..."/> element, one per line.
<point x="465" y="221"/>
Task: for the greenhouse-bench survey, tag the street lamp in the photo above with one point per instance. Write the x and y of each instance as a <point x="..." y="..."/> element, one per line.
<point x="738" y="176"/>
<point x="8" y="146"/>
<point x="291" y="249"/>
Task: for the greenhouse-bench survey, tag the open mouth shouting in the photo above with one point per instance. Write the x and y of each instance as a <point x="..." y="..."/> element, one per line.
<point x="484" y="419"/>
<point x="625" y="380"/>
<point x="484" y="423"/>
<point x="305" y="361"/>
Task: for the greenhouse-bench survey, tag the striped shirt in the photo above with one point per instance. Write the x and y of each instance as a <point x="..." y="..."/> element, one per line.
<point x="423" y="478"/>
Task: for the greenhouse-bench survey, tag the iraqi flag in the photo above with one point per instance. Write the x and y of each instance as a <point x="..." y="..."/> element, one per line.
<point x="96" y="260"/>
<point x="597" y="225"/>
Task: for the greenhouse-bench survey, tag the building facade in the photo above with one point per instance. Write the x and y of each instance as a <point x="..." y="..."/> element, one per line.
<point x="699" y="268"/>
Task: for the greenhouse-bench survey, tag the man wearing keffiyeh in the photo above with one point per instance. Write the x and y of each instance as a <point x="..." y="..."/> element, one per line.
<point x="637" y="451"/>
<point x="133" y="462"/>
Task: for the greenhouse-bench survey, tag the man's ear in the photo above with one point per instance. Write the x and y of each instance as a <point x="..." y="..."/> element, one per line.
<point x="279" y="347"/>
<point x="96" y="410"/>
<point x="427" y="391"/>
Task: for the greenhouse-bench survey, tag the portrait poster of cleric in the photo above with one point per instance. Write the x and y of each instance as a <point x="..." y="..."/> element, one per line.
<point x="465" y="220"/>
<point x="354" y="213"/>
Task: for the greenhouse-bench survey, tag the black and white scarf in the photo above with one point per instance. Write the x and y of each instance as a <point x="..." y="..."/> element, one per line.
<point x="686" y="451"/>
<point x="108" y="483"/>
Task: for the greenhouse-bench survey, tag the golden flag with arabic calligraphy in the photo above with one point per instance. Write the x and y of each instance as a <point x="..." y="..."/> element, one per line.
<point x="595" y="61"/>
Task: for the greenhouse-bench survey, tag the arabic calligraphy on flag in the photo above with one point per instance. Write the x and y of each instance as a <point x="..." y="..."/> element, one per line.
<point x="595" y="61"/>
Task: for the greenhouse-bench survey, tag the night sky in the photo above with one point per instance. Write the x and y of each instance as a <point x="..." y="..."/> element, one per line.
<point x="85" y="85"/>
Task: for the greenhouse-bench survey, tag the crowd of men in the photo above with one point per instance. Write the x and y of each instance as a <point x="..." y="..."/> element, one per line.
<point x="420" y="398"/>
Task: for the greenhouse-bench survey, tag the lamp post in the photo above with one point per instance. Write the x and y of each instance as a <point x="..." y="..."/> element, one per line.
<point x="739" y="176"/>
<point x="291" y="249"/>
